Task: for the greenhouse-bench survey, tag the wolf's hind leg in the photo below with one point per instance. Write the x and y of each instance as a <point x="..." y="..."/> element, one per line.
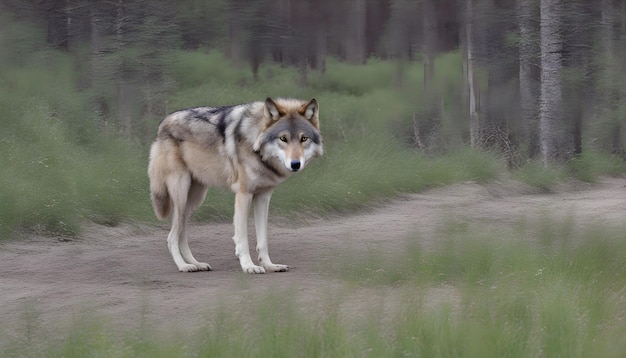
<point x="179" y="188"/>
<point x="261" y="208"/>
<point x="196" y="195"/>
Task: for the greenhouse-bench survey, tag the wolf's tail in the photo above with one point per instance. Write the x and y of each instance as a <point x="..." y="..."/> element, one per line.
<point x="161" y="201"/>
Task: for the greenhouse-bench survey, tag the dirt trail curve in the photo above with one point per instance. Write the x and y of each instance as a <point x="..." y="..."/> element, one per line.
<point x="126" y="273"/>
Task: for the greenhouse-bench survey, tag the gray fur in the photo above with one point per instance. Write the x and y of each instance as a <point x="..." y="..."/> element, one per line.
<point x="248" y="148"/>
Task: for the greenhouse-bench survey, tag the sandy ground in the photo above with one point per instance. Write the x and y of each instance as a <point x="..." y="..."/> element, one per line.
<point x="127" y="275"/>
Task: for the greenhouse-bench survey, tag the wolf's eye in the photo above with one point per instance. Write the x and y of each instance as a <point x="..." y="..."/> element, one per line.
<point x="283" y="139"/>
<point x="304" y="139"/>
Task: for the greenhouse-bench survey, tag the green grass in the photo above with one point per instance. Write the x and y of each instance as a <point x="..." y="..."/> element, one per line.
<point x="593" y="163"/>
<point x="586" y="167"/>
<point x="58" y="168"/>
<point x="63" y="165"/>
<point x="508" y="292"/>
<point x="538" y="176"/>
<point x="545" y="288"/>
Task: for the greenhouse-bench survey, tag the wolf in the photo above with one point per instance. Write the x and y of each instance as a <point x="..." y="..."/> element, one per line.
<point x="247" y="148"/>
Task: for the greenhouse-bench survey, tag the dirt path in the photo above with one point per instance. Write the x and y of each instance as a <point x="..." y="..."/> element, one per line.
<point x="127" y="275"/>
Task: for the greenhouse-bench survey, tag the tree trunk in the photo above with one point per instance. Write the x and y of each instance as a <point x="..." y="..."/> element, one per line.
<point x="528" y="50"/>
<point x="318" y="63"/>
<point x="123" y="83"/>
<point x="472" y="98"/>
<point x="619" y="50"/>
<point x="354" y="40"/>
<point x="609" y="88"/>
<point x="578" y="61"/>
<point x="551" y="102"/>
<point x="234" y="50"/>
<point x="59" y="18"/>
<point x="429" y="41"/>
<point x="98" y="73"/>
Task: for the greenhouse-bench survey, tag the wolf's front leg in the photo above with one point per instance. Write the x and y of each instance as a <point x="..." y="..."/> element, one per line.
<point x="242" y="250"/>
<point x="261" y="208"/>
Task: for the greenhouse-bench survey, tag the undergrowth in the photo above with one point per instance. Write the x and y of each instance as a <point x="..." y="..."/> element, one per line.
<point x="66" y="162"/>
<point x="546" y="287"/>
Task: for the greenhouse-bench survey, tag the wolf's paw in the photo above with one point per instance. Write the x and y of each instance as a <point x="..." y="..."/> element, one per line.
<point x="253" y="269"/>
<point x="188" y="268"/>
<point x="203" y="266"/>
<point x="276" y="268"/>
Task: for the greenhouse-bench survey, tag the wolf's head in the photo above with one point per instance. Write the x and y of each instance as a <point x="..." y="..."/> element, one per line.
<point x="290" y="132"/>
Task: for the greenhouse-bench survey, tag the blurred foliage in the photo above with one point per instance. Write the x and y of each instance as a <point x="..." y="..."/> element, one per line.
<point x="78" y="110"/>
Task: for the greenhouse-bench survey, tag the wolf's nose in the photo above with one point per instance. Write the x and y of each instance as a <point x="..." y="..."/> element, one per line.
<point x="295" y="165"/>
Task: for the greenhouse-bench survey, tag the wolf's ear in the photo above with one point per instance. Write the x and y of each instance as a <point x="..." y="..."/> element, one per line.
<point x="310" y="111"/>
<point x="272" y="111"/>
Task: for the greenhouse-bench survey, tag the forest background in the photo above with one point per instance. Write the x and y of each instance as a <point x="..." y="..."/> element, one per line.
<point x="413" y="94"/>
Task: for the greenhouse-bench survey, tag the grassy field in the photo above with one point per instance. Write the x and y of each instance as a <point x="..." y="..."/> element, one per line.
<point x="541" y="288"/>
<point x="65" y="164"/>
